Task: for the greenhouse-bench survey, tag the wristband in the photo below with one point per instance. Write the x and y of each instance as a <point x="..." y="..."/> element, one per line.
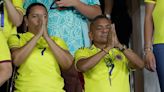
<point x="123" y="48"/>
<point x="105" y="50"/>
<point x="148" y="49"/>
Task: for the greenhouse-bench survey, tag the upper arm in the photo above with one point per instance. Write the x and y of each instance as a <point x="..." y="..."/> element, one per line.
<point x="81" y="54"/>
<point x="13" y="43"/>
<point x="149" y="9"/>
<point x="5" y="66"/>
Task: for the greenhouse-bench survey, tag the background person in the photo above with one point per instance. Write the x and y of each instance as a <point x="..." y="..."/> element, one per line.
<point x="107" y="63"/>
<point x="13" y="14"/>
<point x="153" y="37"/>
<point x="70" y="24"/>
<point x="38" y="56"/>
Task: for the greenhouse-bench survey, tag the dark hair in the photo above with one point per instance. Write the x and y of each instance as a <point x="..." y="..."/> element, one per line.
<point x="23" y="26"/>
<point x="96" y="18"/>
<point x="31" y="6"/>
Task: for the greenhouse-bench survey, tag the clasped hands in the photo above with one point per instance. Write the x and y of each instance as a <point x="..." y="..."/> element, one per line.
<point x="42" y="27"/>
<point x="112" y="40"/>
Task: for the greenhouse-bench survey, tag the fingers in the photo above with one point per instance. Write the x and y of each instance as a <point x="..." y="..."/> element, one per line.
<point x="110" y="39"/>
<point x="60" y="3"/>
<point x="150" y="63"/>
<point x="153" y="64"/>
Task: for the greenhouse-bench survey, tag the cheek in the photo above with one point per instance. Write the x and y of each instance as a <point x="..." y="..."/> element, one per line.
<point x="34" y="22"/>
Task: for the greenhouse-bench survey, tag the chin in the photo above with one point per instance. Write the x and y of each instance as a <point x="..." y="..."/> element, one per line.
<point x="103" y="42"/>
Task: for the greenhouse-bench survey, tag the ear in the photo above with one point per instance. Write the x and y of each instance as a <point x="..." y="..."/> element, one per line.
<point x="91" y="35"/>
<point x="26" y="20"/>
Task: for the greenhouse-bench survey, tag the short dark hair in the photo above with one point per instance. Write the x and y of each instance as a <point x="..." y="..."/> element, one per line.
<point x="31" y="6"/>
<point x="96" y="18"/>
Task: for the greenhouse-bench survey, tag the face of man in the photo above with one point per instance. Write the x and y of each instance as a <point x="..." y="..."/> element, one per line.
<point x="37" y="17"/>
<point x="99" y="31"/>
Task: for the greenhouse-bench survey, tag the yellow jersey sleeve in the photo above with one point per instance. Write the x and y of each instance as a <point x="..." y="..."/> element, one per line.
<point x="60" y="42"/>
<point x="4" y="50"/>
<point x="81" y="53"/>
<point x="150" y="1"/>
<point x="13" y="41"/>
<point x="18" y="5"/>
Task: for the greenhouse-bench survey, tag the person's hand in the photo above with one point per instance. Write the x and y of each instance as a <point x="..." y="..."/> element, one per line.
<point x="44" y="26"/>
<point x="150" y="62"/>
<point x="110" y="40"/>
<point x="41" y="26"/>
<point x="117" y="44"/>
<point x="67" y="3"/>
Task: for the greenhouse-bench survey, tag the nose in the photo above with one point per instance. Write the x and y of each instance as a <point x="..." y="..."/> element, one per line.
<point x="41" y="19"/>
<point x="105" y="30"/>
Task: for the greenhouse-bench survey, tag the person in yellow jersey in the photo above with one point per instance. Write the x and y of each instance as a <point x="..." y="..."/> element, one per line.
<point x="38" y="56"/>
<point x="107" y="63"/>
<point x="5" y="64"/>
<point x="13" y="14"/>
<point x="154" y="38"/>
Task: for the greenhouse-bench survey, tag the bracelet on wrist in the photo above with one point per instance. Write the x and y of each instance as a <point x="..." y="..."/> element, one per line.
<point x="147" y="49"/>
<point x="123" y="48"/>
<point x="105" y="50"/>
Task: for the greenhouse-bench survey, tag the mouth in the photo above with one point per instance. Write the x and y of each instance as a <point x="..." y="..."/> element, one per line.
<point x="104" y="35"/>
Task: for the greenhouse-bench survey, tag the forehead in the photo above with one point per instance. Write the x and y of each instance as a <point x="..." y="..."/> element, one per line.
<point x="102" y="21"/>
<point x="37" y="8"/>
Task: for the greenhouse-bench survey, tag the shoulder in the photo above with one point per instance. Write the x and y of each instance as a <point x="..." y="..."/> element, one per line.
<point x="83" y="51"/>
<point x="59" y="41"/>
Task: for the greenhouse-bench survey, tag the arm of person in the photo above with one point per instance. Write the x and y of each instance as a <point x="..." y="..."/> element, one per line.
<point x="135" y="62"/>
<point x="63" y="57"/>
<point x="90" y="11"/>
<point x="5" y="71"/>
<point x="108" y="6"/>
<point x="19" y="55"/>
<point x="85" y="64"/>
<point x="14" y="14"/>
<point x="148" y="36"/>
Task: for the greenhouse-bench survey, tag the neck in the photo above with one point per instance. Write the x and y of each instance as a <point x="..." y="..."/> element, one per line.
<point x="33" y="32"/>
<point x="101" y="46"/>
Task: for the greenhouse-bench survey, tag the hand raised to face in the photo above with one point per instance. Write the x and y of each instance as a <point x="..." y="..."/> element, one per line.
<point x="44" y="27"/>
<point x="110" y="39"/>
<point x="67" y="3"/>
<point x="116" y="41"/>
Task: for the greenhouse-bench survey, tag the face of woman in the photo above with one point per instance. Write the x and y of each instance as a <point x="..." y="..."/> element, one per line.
<point x="36" y="18"/>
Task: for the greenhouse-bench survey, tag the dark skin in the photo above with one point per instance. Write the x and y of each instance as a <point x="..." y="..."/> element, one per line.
<point x="103" y="35"/>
